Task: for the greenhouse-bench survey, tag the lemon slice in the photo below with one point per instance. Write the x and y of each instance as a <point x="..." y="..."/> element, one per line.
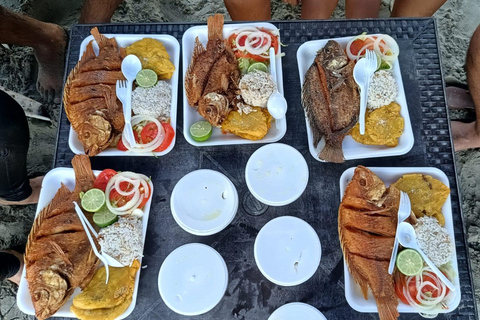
<point x="103" y="217"/>
<point x="201" y="131"/>
<point x="257" y="66"/>
<point x="146" y="78"/>
<point x="409" y="262"/>
<point x="93" y="200"/>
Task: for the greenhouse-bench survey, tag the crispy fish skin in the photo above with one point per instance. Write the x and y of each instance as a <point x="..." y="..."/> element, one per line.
<point x="367" y="246"/>
<point x="58" y="255"/>
<point x="331" y="100"/>
<point x="89" y="97"/>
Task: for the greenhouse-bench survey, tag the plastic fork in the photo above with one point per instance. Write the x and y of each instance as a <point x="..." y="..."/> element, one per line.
<point x="122" y="90"/>
<point x="82" y="218"/>
<point x="404" y="210"/>
<point x="369" y="66"/>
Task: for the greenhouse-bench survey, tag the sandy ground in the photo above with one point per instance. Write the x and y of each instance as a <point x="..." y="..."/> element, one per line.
<point x="457" y="20"/>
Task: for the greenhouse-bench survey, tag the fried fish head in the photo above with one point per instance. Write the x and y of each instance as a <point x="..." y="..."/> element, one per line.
<point x="153" y="55"/>
<point x="95" y="134"/>
<point x="251" y="126"/>
<point x="427" y="194"/>
<point x="383" y="126"/>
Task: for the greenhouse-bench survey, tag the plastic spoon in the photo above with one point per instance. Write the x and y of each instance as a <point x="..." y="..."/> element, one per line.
<point x="131" y="65"/>
<point x="276" y="105"/>
<point x="408" y="239"/>
<point x="403" y="213"/>
<point x="361" y="78"/>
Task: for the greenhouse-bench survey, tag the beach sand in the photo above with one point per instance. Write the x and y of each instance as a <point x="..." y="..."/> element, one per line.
<point x="457" y="20"/>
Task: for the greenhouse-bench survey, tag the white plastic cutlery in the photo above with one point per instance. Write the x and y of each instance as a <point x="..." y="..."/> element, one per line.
<point x="362" y="73"/>
<point x="408" y="239"/>
<point x="404" y="210"/>
<point x="131" y="65"/>
<point x="276" y="105"/>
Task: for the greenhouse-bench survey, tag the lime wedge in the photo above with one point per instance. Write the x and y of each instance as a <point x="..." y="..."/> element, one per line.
<point x="146" y="78"/>
<point x="257" y="66"/>
<point x="409" y="262"/>
<point x="201" y="131"/>
<point x="93" y="200"/>
<point x="103" y="217"/>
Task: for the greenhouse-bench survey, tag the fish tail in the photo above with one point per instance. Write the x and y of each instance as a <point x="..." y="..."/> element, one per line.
<point x="332" y="152"/>
<point x="100" y="38"/>
<point x="215" y="27"/>
<point x="84" y="177"/>
<point x="387" y="309"/>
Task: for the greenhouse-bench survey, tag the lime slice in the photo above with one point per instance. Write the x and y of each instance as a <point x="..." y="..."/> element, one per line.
<point x="409" y="262"/>
<point x="257" y="66"/>
<point x="103" y="217"/>
<point x="93" y="200"/>
<point x="146" y="78"/>
<point x="201" y="131"/>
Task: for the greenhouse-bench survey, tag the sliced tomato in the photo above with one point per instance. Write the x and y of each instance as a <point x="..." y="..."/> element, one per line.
<point x="400" y="284"/>
<point x="244" y="54"/>
<point x="102" y="180"/>
<point x="231" y="39"/>
<point x="149" y="132"/>
<point x="145" y="199"/>
<point x="116" y="199"/>
<point x="121" y="145"/>
<point x="275" y="43"/>
<point x="169" y="134"/>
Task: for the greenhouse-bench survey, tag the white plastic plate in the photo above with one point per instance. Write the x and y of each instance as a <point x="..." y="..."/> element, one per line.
<point x="388" y="175"/>
<point x="297" y="311"/>
<point x="190" y="114"/>
<point x="50" y="185"/>
<point x="351" y="149"/>
<point x="124" y="40"/>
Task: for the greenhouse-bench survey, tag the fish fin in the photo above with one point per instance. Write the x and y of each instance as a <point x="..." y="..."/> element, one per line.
<point x="215" y="27"/>
<point x="332" y="152"/>
<point x="387" y="308"/>
<point x="84" y="177"/>
<point x="60" y="252"/>
<point x="100" y="38"/>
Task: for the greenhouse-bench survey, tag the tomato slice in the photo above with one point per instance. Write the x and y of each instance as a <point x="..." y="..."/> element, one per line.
<point x="102" y="180"/>
<point x="121" y="145"/>
<point x="400" y="284"/>
<point x="116" y="199"/>
<point x="169" y="134"/>
<point x="145" y="199"/>
<point x="241" y="40"/>
<point x="149" y="132"/>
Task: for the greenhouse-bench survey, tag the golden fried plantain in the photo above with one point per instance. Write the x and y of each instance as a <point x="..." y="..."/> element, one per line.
<point x="383" y="126"/>
<point x="153" y="55"/>
<point x="427" y="194"/>
<point x="251" y="126"/>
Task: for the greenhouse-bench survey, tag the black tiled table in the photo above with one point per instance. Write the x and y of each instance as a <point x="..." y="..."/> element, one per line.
<point x="249" y="295"/>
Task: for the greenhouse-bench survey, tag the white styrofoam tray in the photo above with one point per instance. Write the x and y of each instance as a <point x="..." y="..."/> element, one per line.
<point x="389" y="175"/>
<point x="351" y="149"/>
<point x="125" y="40"/>
<point x="190" y="114"/>
<point x="50" y="185"/>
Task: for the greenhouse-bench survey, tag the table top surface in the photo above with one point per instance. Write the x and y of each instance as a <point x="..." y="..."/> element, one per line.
<point x="249" y="294"/>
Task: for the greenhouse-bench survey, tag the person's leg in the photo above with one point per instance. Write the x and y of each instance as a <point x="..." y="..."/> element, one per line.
<point x="98" y="11"/>
<point x="318" y="9"/>
<point x="15" y="188"/>
<point x="359" y="9"/>
<point x="11" y="265"/>
<point x="49" y="42"/>
<point x="248" y="10"/>
<point x="467" y="135"/>
<point x="416" y="8"/>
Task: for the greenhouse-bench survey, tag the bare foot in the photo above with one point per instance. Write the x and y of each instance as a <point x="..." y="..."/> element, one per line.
<point x="465" y="135"/>
<point x="50" y="56"/>
<point x="36" y="184"/>
<point x="16" y="278"/>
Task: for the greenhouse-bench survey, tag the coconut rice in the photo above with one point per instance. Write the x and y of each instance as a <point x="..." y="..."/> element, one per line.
<point x="383" y="89"/>
<point x="434" y="240"/>
<point x="155" y="101"/>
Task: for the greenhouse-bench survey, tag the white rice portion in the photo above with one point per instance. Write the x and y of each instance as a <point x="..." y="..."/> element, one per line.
<point x="434" y="240"/>
<point x="383" y="89"/>
<point x="256" y="87"/>
<point x="155" y="101"/>
<point x="123" y="239"/>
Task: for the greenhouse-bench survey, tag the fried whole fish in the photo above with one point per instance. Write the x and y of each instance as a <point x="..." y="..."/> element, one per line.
<point x="367" y="221"/>
<point x="58" y="255"/>
<point x="331" y="100"/>
<point x="89" y="97"/>
<point x="212" y="78"/>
